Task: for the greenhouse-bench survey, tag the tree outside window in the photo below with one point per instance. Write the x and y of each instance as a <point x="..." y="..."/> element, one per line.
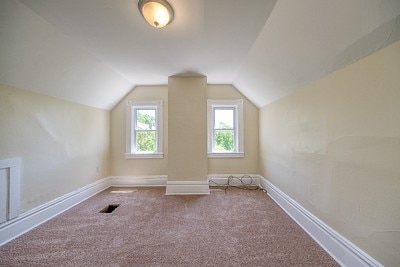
<point x="144" y="129"/>
<point x="225" y="128"/>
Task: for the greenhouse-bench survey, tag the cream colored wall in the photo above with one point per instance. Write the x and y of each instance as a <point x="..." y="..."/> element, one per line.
<point x="248" y="164"/>
<point x="334" y="146"/>
<point x="187" y="131"/>
<point x="135" y="167"/>
<point x="63" y="146"/>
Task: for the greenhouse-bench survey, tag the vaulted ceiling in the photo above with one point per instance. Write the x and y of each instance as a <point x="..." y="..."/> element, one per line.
<point x="94" y="52"/>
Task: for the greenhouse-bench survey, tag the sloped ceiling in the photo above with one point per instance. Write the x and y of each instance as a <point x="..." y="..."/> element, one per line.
<point x="94" y="52"/>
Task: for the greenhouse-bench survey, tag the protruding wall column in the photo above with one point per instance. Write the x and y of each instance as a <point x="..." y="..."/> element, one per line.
<point x="187" y="136"/>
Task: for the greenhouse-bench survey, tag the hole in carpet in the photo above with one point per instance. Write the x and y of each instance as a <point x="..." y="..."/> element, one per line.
<point x="109" y="208"/>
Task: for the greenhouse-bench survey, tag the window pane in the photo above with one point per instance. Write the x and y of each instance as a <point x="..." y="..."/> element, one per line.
<point x="145" y="141"/>
<point x="223" y="140"/>
<point x="223" y="118"/>
<point x="145" y="119"/>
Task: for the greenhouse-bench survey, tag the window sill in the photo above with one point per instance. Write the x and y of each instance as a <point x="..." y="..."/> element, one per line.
<point x="144" y="156"/>
<point x="226" y="155"/>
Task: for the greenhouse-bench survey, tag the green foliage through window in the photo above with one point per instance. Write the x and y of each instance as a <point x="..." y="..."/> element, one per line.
<point x="223" y="138"/>
<point x="146" y="119"/>
<point x="225" y="124"/>
<point x="145" y="130"/>
<point x="145" y="141"/>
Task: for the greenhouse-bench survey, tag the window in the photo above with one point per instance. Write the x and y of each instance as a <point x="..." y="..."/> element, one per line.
<point x="144" y="129"/>
<point x="225" y="128"/>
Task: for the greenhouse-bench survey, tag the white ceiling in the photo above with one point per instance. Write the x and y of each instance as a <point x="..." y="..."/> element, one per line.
<point x="94" y="52"/>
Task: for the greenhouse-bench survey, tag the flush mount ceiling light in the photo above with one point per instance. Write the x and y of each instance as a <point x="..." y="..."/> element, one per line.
<point x="158" y="13"/>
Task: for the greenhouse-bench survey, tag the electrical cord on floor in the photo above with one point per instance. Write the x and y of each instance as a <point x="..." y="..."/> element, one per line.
<point x="242" y="183"/>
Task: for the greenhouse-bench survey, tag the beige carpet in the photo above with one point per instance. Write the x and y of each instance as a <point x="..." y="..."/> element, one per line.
<point x="232" y="228"/>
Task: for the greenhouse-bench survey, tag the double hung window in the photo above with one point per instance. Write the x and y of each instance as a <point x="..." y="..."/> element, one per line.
<point x="144" y="129"/>
<point x="225" y="128"/>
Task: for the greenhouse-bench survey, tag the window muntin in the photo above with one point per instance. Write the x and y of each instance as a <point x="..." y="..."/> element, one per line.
<point x="224" y="134"/>
<point x="225" y="128"/>
<point x="144" y="129"/>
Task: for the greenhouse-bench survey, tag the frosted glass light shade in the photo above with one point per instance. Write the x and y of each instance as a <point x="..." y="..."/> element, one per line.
<point x="158" y="13"/>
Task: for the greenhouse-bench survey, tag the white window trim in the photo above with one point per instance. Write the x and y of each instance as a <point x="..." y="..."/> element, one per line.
<point x="237" y="104"/>
<point x="130" y="106"/>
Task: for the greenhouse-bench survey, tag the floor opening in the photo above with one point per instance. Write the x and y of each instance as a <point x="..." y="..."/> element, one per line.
<point x="109" y="208"/>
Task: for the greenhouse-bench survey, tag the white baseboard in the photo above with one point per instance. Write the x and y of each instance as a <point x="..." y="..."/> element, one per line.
<point x="139" y="181"/>
<point x="222" y="179"/>
<point x="187" y="188"/>
<point x="341" y="249"/>
<point x="31" y="219"/>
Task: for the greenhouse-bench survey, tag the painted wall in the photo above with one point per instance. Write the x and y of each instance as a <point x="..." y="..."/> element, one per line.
<point x="43" y="59"/>
<point x="63" y="146"/>
<point x="187" y="131"/>
<point x="334" y="147"/>
<point x="248" y="164"/>
<point x="135" y="167"/>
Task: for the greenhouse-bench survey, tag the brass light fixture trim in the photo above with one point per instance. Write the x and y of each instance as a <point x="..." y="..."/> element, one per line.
<point x="158" y="13"/>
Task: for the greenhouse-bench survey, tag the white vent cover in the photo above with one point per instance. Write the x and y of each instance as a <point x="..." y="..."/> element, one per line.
<point x="10" y="172"/>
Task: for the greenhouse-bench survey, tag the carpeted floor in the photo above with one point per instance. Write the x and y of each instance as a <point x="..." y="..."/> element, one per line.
<point x="232" y="228"/>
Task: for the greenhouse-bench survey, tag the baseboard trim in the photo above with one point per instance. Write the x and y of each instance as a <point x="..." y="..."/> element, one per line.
<point x="139" y="181"/>
<point x="222" y="179"/>
<point x="187" y="188"/>
<point x="341" y="249"/>
<point x="33" y="218"/>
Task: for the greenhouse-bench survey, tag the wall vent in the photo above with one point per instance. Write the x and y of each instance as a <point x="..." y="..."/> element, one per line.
<point x="10" y="173"/>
